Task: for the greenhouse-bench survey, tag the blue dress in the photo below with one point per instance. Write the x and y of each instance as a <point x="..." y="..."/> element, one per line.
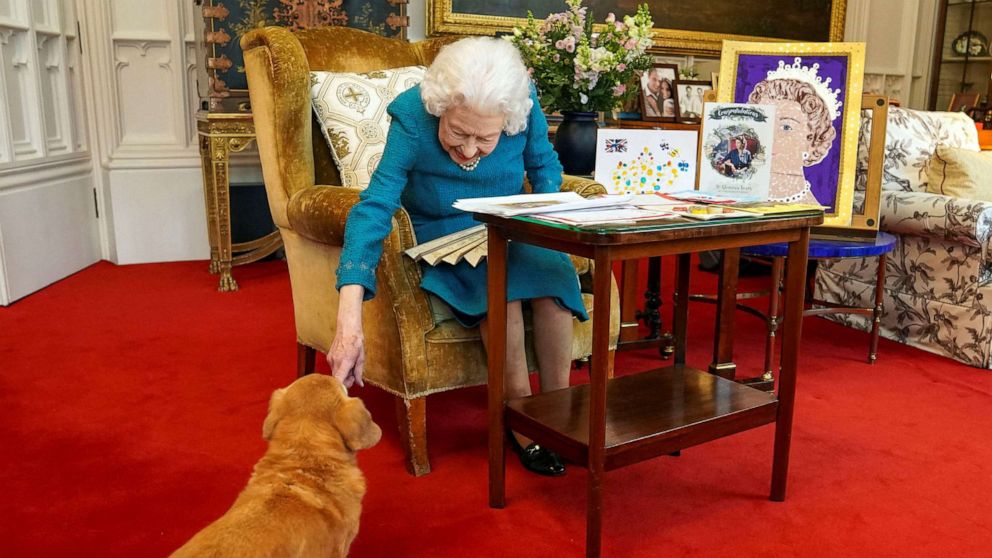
<point x="418" y="174"/>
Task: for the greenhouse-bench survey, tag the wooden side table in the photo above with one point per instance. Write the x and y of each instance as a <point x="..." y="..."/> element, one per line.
<point x="220" y="135"/>
<point x="611" y="423"/>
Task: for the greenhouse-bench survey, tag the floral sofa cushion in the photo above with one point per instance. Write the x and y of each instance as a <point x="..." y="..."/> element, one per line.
<point x="910" y="139"/>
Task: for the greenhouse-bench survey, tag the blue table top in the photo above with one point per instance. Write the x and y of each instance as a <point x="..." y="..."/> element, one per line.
<point x="833" y="248"/>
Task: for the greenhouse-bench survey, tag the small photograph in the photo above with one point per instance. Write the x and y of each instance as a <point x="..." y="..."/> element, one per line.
<point x="657" y="96"/>
<point x="689" y="99"/>
<point x="963" y="101"/>
<point x="733" y="156"/>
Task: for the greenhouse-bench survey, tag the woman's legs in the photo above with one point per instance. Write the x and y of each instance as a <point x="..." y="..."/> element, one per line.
<point x="552" y="342"/>
<point x="515" y="377"/>
<point x="553" y="347"/>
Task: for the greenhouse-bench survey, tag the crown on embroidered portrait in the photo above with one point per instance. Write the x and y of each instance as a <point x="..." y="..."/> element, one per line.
<point x="810" y="75"/>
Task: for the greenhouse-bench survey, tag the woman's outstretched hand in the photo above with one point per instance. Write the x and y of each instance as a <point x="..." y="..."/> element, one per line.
<point x="347" y="354"/>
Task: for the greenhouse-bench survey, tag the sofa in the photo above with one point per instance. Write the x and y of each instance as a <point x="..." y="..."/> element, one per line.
<point x="937" y="285"/>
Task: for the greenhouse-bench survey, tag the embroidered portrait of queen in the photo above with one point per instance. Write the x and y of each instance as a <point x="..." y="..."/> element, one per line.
<point x="816" y="91"/>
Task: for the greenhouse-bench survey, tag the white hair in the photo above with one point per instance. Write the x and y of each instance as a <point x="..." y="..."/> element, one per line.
<point x="483" y="74"/>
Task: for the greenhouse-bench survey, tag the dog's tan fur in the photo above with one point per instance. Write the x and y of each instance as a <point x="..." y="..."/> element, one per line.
<point x="305" y="495"/>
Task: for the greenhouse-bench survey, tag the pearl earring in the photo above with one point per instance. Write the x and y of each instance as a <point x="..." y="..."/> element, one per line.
<point x="805" y="155"/>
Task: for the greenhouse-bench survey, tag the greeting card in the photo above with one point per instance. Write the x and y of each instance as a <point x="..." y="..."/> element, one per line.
<point x="645" y="161"/>
<point x="737" y="149"/>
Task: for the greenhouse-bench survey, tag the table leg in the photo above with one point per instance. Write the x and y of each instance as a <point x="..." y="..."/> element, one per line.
<point x="496" y="357"/>
<point x="219" y="151"/>
<point x="209" y="201"/>
<point x="726" y="304"/>
<point x="877" y="311"/>
<point x="652" y="299"/>
<point x="773" y="319"/>
<point x="597" y="401"/>
<point x="680" y="314"/>
<point x="795" y="278"/>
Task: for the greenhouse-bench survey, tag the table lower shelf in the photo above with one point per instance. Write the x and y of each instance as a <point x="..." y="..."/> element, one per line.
<point x="648" y="414"/>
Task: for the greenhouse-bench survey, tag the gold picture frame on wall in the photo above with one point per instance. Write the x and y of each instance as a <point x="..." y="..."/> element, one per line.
<point x="817" y="91"/>
<point x="691" y="27"/>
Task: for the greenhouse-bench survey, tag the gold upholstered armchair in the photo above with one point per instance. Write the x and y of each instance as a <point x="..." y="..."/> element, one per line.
<point x="411" y="350"/>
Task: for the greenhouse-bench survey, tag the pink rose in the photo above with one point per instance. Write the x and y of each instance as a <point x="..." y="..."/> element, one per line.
<point x="611" y="17"/>
<point x="560" y="44"/>
<point x="556" y="57"/>
<point x="619" y="89"/>
<point x="569" y="44"/>
<point x="631" y="43"/>
<point x="621" y="67"/>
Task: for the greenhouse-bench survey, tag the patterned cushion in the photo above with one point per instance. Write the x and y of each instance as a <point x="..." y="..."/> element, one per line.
<point x="351" y="109"/>
<point x="910" y="139"/>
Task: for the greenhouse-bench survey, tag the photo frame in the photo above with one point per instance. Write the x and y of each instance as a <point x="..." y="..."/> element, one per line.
<point x="690" y="27"/>
<point x="657" y="95"/>
<point x="817" y="163"/>
<point x="689" y="95"/>
<point x="963" y="101"/>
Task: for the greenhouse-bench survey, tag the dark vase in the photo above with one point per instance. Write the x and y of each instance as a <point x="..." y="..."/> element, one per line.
<point x="575" y="142"/>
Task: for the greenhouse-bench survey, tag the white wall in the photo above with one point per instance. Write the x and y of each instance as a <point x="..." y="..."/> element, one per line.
<point x="899" y="36"/>
<point x="417" y="12"/>
<point x="142" y="61"/>
<point x="48" y="225"/>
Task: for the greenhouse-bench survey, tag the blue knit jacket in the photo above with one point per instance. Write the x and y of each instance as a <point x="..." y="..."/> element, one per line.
<point x="418" y="174"/>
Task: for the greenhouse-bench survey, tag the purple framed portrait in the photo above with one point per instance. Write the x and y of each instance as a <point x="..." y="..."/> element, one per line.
<point x="815" y="139"/>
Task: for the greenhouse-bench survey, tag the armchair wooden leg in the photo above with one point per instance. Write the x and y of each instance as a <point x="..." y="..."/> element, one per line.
<point x="306" y="360"/>
<point x="411" y="417"/>
<point x="611" y="357"/>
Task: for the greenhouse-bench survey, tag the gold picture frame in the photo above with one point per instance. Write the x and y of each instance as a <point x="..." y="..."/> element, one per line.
<point x="442" y="19"/>
<point x="828" y="164"/>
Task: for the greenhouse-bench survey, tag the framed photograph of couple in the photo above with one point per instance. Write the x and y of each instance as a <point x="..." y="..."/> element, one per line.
<point x="657" y="97"/>
<point x="816" y="91"/>
<point x="689" y="99"/>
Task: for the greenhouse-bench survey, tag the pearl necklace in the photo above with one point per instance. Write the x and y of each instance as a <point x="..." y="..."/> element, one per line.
<point x="795" y="197"/>
<point x="470" y="166"/>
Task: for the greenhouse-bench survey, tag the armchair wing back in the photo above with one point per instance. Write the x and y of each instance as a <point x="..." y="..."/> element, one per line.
<point x="411" y="349"/>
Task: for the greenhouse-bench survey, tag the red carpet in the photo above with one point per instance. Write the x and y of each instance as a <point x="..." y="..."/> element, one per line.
<point x="132" y="398"/>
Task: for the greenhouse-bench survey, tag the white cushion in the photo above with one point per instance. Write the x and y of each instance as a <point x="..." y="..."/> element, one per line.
<point x="351" y="109"/>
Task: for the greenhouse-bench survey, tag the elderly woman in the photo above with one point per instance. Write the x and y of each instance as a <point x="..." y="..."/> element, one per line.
<point x="471" y="129"/>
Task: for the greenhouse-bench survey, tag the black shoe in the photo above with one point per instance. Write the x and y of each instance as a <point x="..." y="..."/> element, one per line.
<point x="537" y="459"/>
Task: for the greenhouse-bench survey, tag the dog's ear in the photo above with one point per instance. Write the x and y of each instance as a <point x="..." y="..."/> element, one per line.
<point x="355" y="423"/>
<point x="275" y="413"/>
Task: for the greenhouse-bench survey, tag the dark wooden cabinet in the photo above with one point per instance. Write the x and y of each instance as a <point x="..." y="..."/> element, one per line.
<point x="961" y="62"/>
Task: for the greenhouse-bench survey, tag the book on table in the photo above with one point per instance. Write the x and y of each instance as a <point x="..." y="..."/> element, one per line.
<point x="469" y="245"/>
<point x="610" y="212"/>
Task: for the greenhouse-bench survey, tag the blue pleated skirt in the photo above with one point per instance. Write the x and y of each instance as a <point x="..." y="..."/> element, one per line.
<point x="532" y="272"/>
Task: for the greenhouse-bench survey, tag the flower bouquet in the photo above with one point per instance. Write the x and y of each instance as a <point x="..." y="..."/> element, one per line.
<point x="577" y="69"/>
